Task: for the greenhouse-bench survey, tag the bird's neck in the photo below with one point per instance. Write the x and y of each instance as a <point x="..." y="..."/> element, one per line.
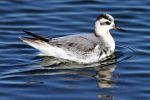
<point x="106" y="39"/>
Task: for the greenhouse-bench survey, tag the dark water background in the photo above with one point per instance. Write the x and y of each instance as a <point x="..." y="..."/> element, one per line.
<point x="23" y="75"/>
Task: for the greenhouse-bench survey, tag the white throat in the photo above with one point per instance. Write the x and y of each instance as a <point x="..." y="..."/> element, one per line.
<point x="104" y="34"/>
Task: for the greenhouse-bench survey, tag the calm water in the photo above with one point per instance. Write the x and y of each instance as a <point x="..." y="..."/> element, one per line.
<point x="25" y="76"/>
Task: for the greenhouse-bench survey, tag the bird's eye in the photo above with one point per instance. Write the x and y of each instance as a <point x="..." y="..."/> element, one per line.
<point x="107" y="23"/>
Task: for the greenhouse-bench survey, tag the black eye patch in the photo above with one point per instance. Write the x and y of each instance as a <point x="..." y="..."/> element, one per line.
<point x="105" y="23"/>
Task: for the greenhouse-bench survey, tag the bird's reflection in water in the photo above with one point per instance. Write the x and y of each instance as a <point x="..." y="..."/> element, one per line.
<point x="104" y="76"/>
<point x="104" y="72"/>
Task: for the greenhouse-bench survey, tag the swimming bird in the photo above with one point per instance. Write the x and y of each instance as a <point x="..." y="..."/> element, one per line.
<point x="80" y="48"/>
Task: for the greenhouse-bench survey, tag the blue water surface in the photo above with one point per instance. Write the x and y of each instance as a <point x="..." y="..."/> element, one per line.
<point x="23" y="75"/>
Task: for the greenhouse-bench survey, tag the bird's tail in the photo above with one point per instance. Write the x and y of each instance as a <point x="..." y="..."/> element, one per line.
<point x="37" y="36"/>
<point x="36" y="41"/>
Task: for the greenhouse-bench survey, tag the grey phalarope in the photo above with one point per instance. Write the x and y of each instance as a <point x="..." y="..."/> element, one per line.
<point x="81" y="48"/>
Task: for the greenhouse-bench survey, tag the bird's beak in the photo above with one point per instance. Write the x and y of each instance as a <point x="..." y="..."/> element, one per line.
<point x="118" y="28"/>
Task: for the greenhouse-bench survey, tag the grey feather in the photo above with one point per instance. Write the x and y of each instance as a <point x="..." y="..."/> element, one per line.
<point x="84" y="42"/>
